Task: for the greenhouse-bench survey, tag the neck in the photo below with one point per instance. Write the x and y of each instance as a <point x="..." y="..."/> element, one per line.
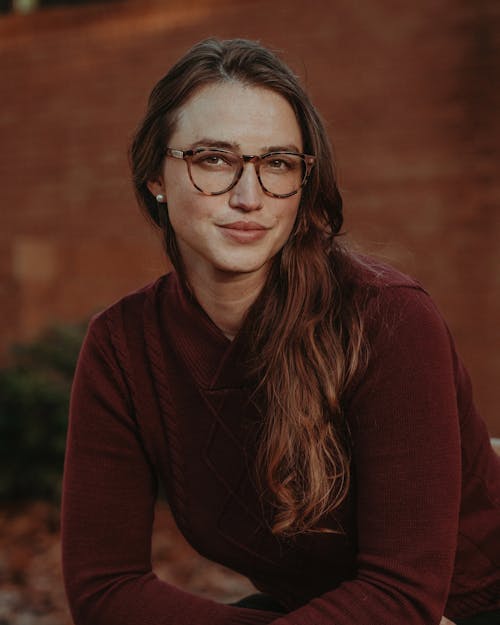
<point x="227" y="298"/>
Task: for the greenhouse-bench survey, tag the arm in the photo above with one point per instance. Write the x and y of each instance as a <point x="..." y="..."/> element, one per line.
<point x="406" y="461"/>
<point x="109" y="494"/>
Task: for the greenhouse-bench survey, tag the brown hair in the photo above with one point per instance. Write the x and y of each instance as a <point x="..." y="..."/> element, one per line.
<point x="306" y="328"/>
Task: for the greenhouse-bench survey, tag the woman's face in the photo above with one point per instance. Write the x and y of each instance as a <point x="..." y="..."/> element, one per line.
<point x="241" y="230"/>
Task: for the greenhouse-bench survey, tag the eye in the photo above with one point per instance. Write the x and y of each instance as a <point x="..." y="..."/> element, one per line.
<point x="211" y="159"/>
<point x="282" y="163"/>
<point x="278" y="163"/>
<point x="214" y="160"/>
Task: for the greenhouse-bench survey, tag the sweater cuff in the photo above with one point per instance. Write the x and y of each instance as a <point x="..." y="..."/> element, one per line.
<point x="247" y="616"/>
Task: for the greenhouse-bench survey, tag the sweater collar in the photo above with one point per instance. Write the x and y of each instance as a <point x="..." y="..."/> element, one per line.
<point x="214" y="361"/>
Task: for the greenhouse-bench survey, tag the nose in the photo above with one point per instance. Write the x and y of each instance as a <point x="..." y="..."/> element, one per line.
<point x="247" y="194"/>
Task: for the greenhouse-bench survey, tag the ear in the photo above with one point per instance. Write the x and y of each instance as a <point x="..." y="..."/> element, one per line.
<point x="156" y="186"/>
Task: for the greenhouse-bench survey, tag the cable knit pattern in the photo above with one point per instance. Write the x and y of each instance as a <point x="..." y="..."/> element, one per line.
<point x="160" y="395"/>
<point x="174" y="446"/>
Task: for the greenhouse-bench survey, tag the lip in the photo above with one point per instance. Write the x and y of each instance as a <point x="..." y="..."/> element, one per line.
<point x="245" y="226"/>
<point x="243" y="231"/>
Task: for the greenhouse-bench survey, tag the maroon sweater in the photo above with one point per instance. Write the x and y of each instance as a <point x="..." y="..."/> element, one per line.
<point x="159" y="395"/>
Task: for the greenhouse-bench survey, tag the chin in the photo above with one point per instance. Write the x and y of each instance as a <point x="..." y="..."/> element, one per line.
<point x="241" y="267"/>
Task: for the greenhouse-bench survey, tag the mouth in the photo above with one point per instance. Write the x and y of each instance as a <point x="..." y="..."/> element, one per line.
<point x="244" y="226"/>
<point x="241" y="232"/>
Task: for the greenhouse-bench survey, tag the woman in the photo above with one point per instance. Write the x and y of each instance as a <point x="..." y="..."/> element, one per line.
<point x="304" y="408"/>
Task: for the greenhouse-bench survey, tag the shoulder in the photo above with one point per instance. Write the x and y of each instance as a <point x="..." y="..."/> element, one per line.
<point x="383" y="290"/>
<point x="373" y="274"/>
<point x="410" y="351"/>
<point x="115" y="336"/>
<point x="118" y="329"/>
<point x="129" y="309"/>
<point x="397" y="311"/>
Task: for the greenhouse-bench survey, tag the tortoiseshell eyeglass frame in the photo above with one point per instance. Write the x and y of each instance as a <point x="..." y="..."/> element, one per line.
<point x="186" y="155"/>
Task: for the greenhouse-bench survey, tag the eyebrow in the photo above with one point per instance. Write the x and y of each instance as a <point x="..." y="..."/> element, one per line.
<point x="234" y="146"/>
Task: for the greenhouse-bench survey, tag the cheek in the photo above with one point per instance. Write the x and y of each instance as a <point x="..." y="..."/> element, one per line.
<point x="188" y="211"/>
<point x="177" y="183"/>
<point x="290" y="210"/>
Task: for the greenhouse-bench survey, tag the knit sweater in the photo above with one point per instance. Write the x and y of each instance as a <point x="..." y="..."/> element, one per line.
<point x="160" y="395"/>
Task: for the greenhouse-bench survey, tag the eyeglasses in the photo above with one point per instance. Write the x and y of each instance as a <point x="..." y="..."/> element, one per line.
<point x="214" y="171"/>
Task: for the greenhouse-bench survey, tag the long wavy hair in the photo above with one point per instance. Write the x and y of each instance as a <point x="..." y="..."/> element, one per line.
<point x="306" y="325"/>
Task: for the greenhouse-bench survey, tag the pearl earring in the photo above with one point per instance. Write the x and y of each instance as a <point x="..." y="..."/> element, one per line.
<point x="160" y="198"/>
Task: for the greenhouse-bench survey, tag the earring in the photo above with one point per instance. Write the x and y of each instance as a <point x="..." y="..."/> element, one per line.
<point x="160" y="198"/>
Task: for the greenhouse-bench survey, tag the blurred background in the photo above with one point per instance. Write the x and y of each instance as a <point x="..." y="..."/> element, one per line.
<point x="410" y="94"/>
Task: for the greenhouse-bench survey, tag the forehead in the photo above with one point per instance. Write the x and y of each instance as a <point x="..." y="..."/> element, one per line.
<point x="249" y="117"/>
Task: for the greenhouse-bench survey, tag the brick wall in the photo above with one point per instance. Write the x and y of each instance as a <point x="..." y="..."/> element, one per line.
<point x="410" y="94"/>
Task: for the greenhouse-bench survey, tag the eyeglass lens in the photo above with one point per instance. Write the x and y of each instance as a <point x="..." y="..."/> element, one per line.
<point x="214" y="171"/>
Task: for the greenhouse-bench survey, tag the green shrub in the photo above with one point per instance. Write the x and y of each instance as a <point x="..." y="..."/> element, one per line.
<point x="34" y="399"/>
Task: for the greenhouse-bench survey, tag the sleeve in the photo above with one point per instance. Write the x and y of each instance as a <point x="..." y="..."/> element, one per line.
<point x="407" y="472"/>
<point x="109" y="492"/>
